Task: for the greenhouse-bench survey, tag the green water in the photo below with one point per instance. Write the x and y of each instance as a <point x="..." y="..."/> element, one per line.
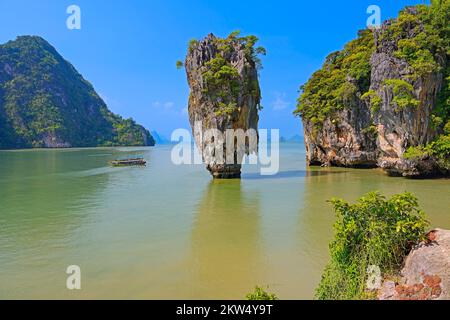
<point x="167" y="231"/>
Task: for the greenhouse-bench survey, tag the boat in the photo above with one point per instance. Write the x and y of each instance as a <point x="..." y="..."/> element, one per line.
<point x="129" y="162"/>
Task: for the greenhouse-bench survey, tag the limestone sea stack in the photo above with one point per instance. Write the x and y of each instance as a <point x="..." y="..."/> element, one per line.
<point x="224" y="94"/>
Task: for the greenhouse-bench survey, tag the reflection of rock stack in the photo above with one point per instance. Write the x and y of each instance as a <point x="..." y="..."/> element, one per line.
<point x="225" y="241"/>
<point x="225" y="94"/>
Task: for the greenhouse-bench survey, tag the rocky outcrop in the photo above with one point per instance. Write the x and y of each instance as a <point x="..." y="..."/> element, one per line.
<point x="380" y="122"/>
<point x="426" y="272"/>
<point x="343" y="142"/>
<point x="224" y="94"/>
<point x="411" y="126"/>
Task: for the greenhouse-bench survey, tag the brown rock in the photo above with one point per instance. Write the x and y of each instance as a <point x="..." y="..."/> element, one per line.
<point x="426" y="273"/>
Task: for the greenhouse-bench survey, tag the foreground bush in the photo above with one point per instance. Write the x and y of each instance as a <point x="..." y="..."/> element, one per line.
<point x="374" y="231"/>
<point x="261" y="294"/>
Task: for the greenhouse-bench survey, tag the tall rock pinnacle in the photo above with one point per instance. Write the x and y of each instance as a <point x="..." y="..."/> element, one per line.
<point x="224" y="94"/>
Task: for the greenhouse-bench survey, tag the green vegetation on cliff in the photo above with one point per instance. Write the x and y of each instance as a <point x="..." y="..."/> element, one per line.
<point x="45" y="102"/>
<point x="346" y="73"/>
<point x="221" y="78"/>
<point x="420" y="39"/>
<point x="427" y="52"/>
<point x="375" y="232"/>
<point x="344" y="76"/>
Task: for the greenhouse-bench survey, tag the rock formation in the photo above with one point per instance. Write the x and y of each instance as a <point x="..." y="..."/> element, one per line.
<point x="224" y="94"/>
<point x="382" y="96"/>
<point x="426" y="273"/>
<point x="46" y="103"/>
<point x="412" y="126"/>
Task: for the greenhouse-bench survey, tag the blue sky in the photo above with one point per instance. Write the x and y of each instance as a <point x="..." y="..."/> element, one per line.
<point x="128" y="49"/>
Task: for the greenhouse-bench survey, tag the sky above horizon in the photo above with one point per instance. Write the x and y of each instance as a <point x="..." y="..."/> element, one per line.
<point x="128" y="49"/>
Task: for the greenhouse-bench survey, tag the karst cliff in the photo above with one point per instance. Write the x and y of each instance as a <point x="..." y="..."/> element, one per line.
<point x="383" y="101"/>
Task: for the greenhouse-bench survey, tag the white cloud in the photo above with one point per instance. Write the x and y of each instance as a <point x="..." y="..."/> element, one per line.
<point x="280" y="102"/>
<point x="168" y="105"/>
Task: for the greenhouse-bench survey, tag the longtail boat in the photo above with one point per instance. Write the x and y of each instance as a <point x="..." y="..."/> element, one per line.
<point x="129" y="162"/>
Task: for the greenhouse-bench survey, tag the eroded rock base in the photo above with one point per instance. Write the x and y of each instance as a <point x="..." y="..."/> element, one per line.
<point x="225" y="171"/>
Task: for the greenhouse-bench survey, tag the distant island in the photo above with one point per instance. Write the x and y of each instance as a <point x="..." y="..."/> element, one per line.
<point x="46" y="103"/>
<point x="294" y="138"/>
<point x="159" y="138"/>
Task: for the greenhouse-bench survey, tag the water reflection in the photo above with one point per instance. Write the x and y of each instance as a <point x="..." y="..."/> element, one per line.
<point x="166" y="231"/>
<point x="42" y="205"/>
<point x="226" y="251"/>
<point x="289" y="174"/>
<point x="44" y="197"/>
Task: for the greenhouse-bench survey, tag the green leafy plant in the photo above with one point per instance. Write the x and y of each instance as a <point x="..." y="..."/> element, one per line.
<point x="439" y="149"/>
<point x="403" y="94"/>
<point x="226" y="109"/>
<point x="371" y="130"/>
<point x="375" y="231"/>
<point x="374" y="100"/>
<point x="192" y="44"/>
<point x="261" y="294"/>
<point x="447" y="128"/>
<point x="415" y="153"/>
<point x="222" y="79"/>
<point x="179" y="64"/>
<point x="329" y="89"/>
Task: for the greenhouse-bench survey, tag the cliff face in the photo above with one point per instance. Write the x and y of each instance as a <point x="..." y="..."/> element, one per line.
<point x="224" y="94"/>
<point x="382" y="99"/>
<point x="46" y="103"/>
<point x="412" y="125"/>
<point x="342" y="140"/>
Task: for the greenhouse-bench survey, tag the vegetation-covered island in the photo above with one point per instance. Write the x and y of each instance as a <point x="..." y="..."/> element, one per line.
<point x="384" y="99"/>
<point x="46" y="103"/>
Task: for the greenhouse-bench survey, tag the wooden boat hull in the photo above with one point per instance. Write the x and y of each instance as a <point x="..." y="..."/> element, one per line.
<point x="128" y="162"/>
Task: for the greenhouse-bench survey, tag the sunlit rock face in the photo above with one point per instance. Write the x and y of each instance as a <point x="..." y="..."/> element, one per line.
<point x="224" y="95"/>
<point x="411" y="126"/>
